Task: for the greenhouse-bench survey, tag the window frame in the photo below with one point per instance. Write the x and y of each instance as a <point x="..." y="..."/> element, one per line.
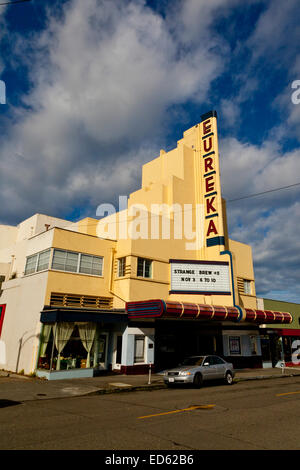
<point x="144" y="261"/>
<point x="78" y="267"/>
<point x="122" y="265"/>
<point x="92" y="260"/>
<point x="37" y="255"/>
<point x="248" y="289"/>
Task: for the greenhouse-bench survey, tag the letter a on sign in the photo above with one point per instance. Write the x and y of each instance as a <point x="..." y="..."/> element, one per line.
<point x="211" y="228"/>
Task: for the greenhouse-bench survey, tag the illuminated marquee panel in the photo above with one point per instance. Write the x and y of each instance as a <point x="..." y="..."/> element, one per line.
<point x="195" y="277"/>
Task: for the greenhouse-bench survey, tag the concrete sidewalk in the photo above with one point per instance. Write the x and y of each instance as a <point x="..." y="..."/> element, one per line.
<point x="22" y="388"/>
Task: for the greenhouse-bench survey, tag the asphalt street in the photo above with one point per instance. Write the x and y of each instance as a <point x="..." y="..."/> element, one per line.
<point x="260" y="415"/>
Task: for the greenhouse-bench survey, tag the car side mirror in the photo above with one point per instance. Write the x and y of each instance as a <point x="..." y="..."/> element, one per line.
<point x="206" y="364"/>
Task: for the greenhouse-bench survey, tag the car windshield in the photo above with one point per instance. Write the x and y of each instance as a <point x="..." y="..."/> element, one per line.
<point x="193" y="361"/>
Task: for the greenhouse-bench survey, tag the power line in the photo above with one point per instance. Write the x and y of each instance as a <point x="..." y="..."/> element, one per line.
<point x="264" y="192"/>
<point x="194" y="208"/>
<point x="14" y="1"/>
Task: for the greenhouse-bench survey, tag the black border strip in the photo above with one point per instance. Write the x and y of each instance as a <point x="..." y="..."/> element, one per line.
<point x="197" y="292"/>
<point x="187" y="261"/>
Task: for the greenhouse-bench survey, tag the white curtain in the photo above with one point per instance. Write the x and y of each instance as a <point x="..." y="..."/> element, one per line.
<point x="87" y="333"/>
<point x="45" y="338"/>
<point x="62" y="336"/>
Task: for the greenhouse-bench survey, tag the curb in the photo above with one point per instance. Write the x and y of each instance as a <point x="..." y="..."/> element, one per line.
<point x="265" y="377"/>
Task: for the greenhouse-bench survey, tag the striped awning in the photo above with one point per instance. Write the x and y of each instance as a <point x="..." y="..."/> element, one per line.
<point x="152" y="309"/>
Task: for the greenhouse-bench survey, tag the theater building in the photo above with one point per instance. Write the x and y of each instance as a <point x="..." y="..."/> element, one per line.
<point x="148" y="284"/>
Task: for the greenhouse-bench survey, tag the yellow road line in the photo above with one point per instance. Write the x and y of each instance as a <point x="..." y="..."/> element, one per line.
<point x="198" y="407"/>
<point x="287" y="393"/>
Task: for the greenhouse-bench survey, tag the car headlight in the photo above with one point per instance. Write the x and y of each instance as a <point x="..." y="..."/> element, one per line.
<point x="184" y="373"/>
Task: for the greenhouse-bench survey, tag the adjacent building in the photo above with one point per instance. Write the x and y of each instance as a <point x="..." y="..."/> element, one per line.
<point x="155" y="281"/>
<point x="280" y="342"/>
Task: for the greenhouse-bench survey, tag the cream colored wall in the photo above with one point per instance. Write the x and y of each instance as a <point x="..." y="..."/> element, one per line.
<point x="36" y="224"/>
<point x="243" y="268"/>
<point x="8" y="235"/>
<point x="14" y="242"/>
<point x="81" y="284"/>
<point x="24" y="299"/>
<point x="175" y="177"/>
<point x="169" y="179"/>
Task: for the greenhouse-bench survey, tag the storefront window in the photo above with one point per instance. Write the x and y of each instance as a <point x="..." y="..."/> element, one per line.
<point x="72" y="346"/>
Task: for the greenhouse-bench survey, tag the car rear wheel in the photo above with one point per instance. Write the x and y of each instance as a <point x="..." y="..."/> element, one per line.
<point x="198" y="380"/>
<point x="228" y="378"/>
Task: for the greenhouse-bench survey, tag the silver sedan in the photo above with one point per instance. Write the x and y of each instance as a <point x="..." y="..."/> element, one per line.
<point x="197" y="369"/>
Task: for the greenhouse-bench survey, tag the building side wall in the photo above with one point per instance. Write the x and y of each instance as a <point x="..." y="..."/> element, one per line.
<point x="24" y="301"/>
<point x="281" y="306"/>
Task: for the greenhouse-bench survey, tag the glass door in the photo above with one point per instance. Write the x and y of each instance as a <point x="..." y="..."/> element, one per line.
<point x="117" y="356"/>
<point x="100" y="352"/>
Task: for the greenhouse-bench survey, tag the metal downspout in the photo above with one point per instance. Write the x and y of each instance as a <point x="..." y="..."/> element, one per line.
<point x="227" y="252"/>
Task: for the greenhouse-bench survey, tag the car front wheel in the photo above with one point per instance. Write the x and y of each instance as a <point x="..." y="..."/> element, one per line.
<point x="198" y="380"/>
<point x="228" y="378"/>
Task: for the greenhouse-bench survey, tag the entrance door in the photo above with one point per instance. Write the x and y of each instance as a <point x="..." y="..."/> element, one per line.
<point x="117" y="357"/>
<point x="102" y="354"/>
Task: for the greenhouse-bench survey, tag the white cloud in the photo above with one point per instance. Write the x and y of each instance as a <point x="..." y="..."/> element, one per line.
<point x="105" y="75"/>
<point x="269" y="222"/>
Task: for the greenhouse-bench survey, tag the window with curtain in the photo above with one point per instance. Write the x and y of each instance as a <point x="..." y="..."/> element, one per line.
<point x="144" y="267"/>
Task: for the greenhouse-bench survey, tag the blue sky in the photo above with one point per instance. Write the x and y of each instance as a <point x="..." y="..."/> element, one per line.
<point x="96" y="88"/>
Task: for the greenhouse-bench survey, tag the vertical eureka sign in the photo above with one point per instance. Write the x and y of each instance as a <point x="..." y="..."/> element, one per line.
<point x="211" y="184"/>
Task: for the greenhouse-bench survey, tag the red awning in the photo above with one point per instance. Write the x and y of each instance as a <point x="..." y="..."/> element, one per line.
<point x="188" y="310"/>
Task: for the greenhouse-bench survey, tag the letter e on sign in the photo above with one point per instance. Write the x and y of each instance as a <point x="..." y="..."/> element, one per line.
<point x="206" y="127"/>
